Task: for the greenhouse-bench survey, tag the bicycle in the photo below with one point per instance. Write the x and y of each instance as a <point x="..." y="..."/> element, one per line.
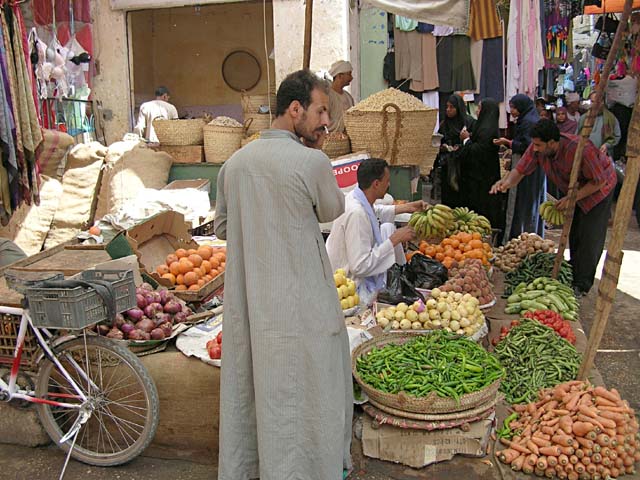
<point x="93" y="396"/>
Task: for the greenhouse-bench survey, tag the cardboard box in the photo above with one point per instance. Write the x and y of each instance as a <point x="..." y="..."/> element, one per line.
<point x="154" y="239"/>
<point x="202" y="184"/>
<point x="419" y="448"/>
<point x="184" y="153"/>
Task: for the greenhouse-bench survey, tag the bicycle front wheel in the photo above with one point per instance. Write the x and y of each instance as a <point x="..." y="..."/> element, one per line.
<point x="121" y="398"/>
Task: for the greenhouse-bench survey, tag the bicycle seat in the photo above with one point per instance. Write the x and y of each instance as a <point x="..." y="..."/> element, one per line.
<point x="20" y="280"/>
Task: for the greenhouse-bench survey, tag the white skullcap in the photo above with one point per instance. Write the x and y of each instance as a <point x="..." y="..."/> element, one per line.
<point x="572" y="97"/>
<point x="341" y="66"/>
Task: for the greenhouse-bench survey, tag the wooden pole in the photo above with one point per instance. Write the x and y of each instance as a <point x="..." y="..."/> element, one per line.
<point x="585" y="132"/>
<point x="308" y="20"/>
<point x="613" y="259"/>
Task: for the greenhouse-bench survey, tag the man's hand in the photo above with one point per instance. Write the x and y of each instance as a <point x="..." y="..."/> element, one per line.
<point x="404" y="234"/>
<point x="562" y="204"/>
<point x="464" y="134"/>
<point x="499" y="187"/>
<point x="412" y="207"/>
<point x="603" y="148"/>
<point x="502" y="141"/>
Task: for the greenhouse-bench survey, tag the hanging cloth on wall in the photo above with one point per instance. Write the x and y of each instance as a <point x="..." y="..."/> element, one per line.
<point x="476" y="62"/>
<point x="484" y="21"/>
<point x="405" y="24"/>
<point x="429" y="65"/>
<point x="455" y="72"/>
<point x="492" y="71"/>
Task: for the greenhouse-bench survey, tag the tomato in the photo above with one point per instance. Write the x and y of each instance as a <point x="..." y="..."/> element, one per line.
<point x="219" y="338"/>
<point x="215" y="352"/>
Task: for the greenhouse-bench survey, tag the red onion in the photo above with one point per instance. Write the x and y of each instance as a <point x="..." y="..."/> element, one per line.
<point x="134" y="314"/>
<point x="153" y="308"/>
<point x="165" y="296"/>
<point x="166" y="328"/>
<point x="115" y="333"/>
<point x="180" y="317"/>
<point x="146" y="325"/>
<point x="172" y="307"/>
<point x="118" y="321"/>
<point x="157" y="334"/>
<point x="136" y="335"/>
<point x="145" y="287"/>
<point x="141" y="300"/>
<point x="162" y="318"/>
<point x="157" y="298"/>
<point x="127" y="327"/>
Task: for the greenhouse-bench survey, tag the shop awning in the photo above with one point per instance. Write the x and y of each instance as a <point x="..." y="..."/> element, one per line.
<point x="143" y="4"/>
<point x="609" y="6"/>
<point x="450" y="13"/>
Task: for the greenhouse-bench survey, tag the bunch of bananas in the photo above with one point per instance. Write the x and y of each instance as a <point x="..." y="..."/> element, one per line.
<point x="466" y="220"/>
<point x="432" y="222"/>
<point x="551" y="214"/>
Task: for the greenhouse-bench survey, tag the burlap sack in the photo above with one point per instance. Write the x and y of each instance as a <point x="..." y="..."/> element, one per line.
<point x="80" y="184"/>
<point x="130" y="167"/>
<point x="52" y="151"/>
<point x="30" y="224"/>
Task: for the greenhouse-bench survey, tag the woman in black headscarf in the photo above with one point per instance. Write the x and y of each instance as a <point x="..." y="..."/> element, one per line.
<point x="455" y="120"/>
<point x="480" y="166"/>
<point x="524" y="201"/>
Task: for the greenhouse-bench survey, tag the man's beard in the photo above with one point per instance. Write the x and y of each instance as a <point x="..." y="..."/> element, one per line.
<point x="309" y="136"/>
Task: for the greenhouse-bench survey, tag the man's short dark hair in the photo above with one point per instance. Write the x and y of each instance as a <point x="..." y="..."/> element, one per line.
<point x="298" y="86"/>
<point x="370" y="170"/>
<point x="545" y="130"/>
<point x="162" y="91"/>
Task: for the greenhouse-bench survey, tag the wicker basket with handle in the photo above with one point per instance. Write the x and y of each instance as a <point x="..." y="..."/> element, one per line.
<point x="336" y="145"/>
<point x="179" y="132"/>
<point x="220" y="142"/>
<point x="256" y="122"/>
<point x="432" y="403"/>
<point x="251" y="103"/>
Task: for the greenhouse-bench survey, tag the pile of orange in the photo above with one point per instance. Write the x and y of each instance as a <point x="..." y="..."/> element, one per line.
<point x="457" y="248"/>
<point x="193" y="268"/>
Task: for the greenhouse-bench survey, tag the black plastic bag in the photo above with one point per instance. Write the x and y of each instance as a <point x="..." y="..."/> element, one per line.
<point x="425" y="272"/>
<point x="399" y="288"/>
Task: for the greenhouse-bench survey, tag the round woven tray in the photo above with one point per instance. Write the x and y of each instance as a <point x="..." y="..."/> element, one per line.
<point x="432" y="403"/>
<point x="221" y="142"/>
<point x="179" y="132"/>
<point x="465" y="415"/>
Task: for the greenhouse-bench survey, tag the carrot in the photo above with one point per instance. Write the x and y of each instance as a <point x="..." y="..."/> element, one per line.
<point x="507" y="455"/>
<point x="540" y="442"/>
<point x="560" y="412"/>
<point x="550" y="472"/>
<point x="563" y="459"/>
<point x="538" y="473"/>
<point x="606" y="452"/>
<point x="572" y="401"/>
<point x="561" y="390"/>
<point x="542" y="463"/>
<point x="567" y="450"/>
<point x="579" y="453"/>
<point x="630" y="470"/>
<point x="548" y="430"/>
<point x="550" y="451"/>
<point x="533" y="447"/>
<point x="579" y="468"/>
<point x="592" y="469"/>
<point x="603" y="440"/>
<point x="573" y="476"/>
<point x="520" y="408"/>
<point x="569" y="467"/>
<point x="552" y="461"/>
<point x="603" y="402"/>
<point x="584" y="442"/>
<point x="616" y="394"/>
<point x="613" y="454"/>
<point x="531" y="408"/>
<point x="628" y="461"/>
<point x="584" y="418"/>
<point x="562" y="475"/>
<point x="528" y="469"/>
<point x="531" y="460"/>
<point x="619" y="463"/>
<point x="610" y="431"/>
<point x="515" y="446"/>
<point x="573" y="459"/>
<point x="615" y="473"/>
<point x="604" y="393"/>
<point x="588" y="452"/>
<point x="596" y="457"/>
<point x="550" y="405"/>
<point x="586" y="401"/>
<point x="551" y="423"/>
<point x="614" y="409"/>
<point x="580" y="429"/>
<point x="606" y="461"/>
<point x="588" y="411"/>
<point x="563" y="440"/>
<point x="585" y="460"/>
<point x="517" y="463"/>
<point x="606" y="422"/>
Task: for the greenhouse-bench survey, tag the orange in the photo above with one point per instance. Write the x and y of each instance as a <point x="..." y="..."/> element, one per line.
<point x="222" y="265"/>
<point x="180" y="279"/>
<point x="172" y="257"/>
<point x="475" y="243"/>
<point x="455" y="243"/>
<point x="476" y="236"/>
<point x="190" y="278"/>
<point x="458" y="256"/>
<point x="214" y="262"/>
<point x="162" y="269"/>
<point x="198" y="271"/>
<point x="221" y="268"/>
<point x="195" y="259"/>
<point x="181" y="288"/>
<point x="185" y="265"/>
<point x="207" y="278"/>
<point x="205" y="252"/>
<point x="194" y="287"/>
<point x="445" y="242"/>
<point x="214" y="273"/>
<point x="192" y="251"/>
<point x="440" y="256"/>
<point x="201" y="282"/>
<point x="181" y="252"/>
<point x="95" y="230"/>
<point x="171" y="277"/>
<point x="174" y="268"/>
<point x="206" y="266"/>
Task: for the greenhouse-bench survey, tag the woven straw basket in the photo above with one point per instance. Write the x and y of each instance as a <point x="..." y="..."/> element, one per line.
<point x="400" y="137"/>
<point x="179" y="132"/>
<point x="256" y="122"/>
<point x="431" y="404"/>
<point x="221" y="142"/>
<point x="336" y="147"/>
<point x="252" y="103"/>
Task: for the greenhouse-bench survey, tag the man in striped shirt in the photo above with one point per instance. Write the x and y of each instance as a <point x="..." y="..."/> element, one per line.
<point x="555" y="152"/>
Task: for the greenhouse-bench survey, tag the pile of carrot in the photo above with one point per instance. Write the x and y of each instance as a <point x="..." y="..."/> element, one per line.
<point x="574" y="431"/>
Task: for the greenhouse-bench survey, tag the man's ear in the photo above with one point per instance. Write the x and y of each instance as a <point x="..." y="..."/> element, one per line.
<point x="295" y="109"/>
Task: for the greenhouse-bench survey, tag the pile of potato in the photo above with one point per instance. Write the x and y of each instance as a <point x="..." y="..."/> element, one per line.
<point x="509" y="257"/>
<point x="470" y="277"/>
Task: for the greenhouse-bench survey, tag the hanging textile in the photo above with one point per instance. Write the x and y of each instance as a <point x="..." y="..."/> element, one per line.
<point x="484" y="21"/>
<point x="492" y="71"/>
<point x="557" y="21"/>
<point x="429" y="64"/>
<point x="43" y="13"/>
<point x="408" y="46"/>
<point x="476" y="62"/>
<point x="453" y="13"/>
<point x="455" y="72"/>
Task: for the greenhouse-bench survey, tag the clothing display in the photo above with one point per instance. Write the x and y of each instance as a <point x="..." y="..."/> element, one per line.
<point x="492" y="69"/>
<point x="484" y="21"/>
<point x="429" y="65"/>
<point x="455" y="72"/>
<point x="408" y="46"/>
<point x="289" y="377"/>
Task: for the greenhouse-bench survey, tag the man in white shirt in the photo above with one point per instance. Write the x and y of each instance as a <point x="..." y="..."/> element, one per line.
<point x="363" y="240"/>
<point x="149" y="111"/>
<point x="339" y="99"/>
<point x="573" y="106"/>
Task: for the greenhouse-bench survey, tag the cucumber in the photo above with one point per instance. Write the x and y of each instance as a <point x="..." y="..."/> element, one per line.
<point x="532" y="304"/>
<point x="513" y="308"/>
<point x="530" y="295"/>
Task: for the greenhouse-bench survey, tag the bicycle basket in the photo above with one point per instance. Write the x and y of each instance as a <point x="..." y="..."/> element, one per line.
<point x="77" y="308"/>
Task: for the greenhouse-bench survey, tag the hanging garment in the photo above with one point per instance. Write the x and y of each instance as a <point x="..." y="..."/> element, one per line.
<point x="492" y="71"/>
<point x="431" y="99"/>
<point x="483" y="20"/>
<point x="405" y="24"/>
<point x="442" y="31"/>
<point x="43" y="13"/>
<point x="527" y="58"/>
<point x="455" y="72"/>
<point x="286" y="393"/>
<point x="429" y="64"/>
<point x="476" y="62"/>
<point x="408" y="55"/>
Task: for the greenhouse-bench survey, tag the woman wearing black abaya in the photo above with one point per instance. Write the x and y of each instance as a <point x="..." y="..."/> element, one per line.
<point x="480" y="165"/>
<point x="455" y="120"/>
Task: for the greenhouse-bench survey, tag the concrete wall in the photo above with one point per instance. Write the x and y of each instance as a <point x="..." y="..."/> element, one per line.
<point x="373" y="48"/>
<point x="184" y="49"/>
<point x="330" y="34"/>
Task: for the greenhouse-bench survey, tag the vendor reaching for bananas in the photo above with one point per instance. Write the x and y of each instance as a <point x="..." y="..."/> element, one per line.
<point x="363" y="240"/>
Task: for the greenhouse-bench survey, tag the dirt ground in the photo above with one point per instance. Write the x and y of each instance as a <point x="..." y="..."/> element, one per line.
<point x="618" y="360"/>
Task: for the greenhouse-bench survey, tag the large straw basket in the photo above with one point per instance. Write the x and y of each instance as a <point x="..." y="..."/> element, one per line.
<point x="220" y="142"/>
<point x="336" y="145"/>
<point x="179" y="132"/>
<point x="431" y="404"/>
<point x="252" y="103"/>
<point x="257" y="122"/>
<point x="400" y="137"/>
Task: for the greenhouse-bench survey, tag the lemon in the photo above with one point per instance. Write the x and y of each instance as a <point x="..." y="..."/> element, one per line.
<point x="336" y="279"/>
<point x="341" y="271"/>
<point x="402" y="307"/>
<point x="356" y="298"/>
<point x="352" y="287"/>
<point x="344" y="291"/>
<point x="351" y="301"/>
<point x="344" y="303"/>
<point x="400" y="316"/>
